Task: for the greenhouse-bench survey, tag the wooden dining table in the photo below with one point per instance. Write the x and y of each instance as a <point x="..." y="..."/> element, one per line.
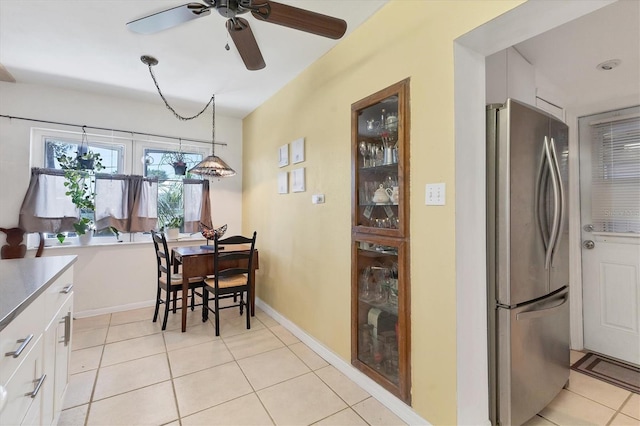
<point x="197" y="261"/>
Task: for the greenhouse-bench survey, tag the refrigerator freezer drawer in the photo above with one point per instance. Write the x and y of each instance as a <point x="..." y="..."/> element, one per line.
<point x="533" y="357"/>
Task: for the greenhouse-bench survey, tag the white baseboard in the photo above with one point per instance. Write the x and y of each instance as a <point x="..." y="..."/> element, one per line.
<point x="398" y="407"/>
<point x="112" y="309"/>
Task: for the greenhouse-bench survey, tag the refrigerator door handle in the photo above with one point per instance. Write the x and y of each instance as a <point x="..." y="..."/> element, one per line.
<point x="540" y="201"/>
<point x="547" y="310"/>
<point x="556" y="204"/>
<point x="554" y="155"/>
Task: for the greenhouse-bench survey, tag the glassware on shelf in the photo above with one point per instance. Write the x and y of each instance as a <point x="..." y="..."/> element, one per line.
<point x="365" y="284"/>
<point x="378" y="353"/>
<point x="381" y="277"/>
<point x="362" y="146"/>
<point x="365" y="343"/>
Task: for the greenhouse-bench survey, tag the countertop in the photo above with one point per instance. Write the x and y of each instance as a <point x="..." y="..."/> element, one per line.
<point x="23" y="280"/>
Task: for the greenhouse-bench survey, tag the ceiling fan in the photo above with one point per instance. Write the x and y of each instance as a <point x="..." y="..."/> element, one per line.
<point x="239" y="29"/>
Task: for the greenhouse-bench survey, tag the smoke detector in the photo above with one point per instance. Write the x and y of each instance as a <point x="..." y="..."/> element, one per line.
<point x="609" y="65"/>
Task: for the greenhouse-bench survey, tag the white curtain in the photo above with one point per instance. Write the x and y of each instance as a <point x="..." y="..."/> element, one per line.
<point x="197" y="207"/>
<point x="126" y="203"/>
<point x="46" y="207"/>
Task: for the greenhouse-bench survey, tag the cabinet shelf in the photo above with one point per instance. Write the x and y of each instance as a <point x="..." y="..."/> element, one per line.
<point x="380" y="303"/>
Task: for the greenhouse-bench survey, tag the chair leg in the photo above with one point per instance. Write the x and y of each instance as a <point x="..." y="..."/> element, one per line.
<point x="166" y="309"/>
<point x="205" y="304"/>
<point x="217" y="314"/>
<point x="193" y="299"/>
<point x="155" y="313"/>
<point x="175" y="297"/>
<point x="248" y="314"/>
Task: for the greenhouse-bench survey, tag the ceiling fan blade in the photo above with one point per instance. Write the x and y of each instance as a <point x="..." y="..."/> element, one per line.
<point x="6" y="75"/>
<point x="246" y="44"/>
<point x="168" y="18"/>
<point x="301" y="19"/>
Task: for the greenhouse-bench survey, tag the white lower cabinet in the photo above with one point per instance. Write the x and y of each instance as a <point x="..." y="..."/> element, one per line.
<point x="34" y="363"/>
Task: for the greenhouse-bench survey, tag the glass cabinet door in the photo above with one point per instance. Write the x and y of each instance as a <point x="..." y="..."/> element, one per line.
<point x="379" y="163"/>
<point x="378" y="308"/>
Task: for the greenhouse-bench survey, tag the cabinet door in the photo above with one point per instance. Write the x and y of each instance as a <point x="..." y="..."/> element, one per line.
<point x="25" y="387"/>
<point x="380" y="162"/>
<point x="57" y="352"/>
<point x="63" y="353"/>
<point x="380" y="344"/>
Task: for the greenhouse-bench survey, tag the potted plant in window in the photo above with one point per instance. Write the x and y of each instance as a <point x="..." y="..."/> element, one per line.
<point x="172" y="227"/>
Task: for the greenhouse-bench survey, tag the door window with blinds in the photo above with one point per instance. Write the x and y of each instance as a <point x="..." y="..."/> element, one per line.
<point x="614" y="138"/>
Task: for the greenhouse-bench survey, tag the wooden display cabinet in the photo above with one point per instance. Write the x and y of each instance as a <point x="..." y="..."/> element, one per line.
<point x="380" y="326"/>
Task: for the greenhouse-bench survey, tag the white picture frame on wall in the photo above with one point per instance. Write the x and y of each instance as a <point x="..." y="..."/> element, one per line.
<point x="297" y="151"/>
<point x="283" y="183"/>
<point x="283" y="155"/>
<point x="297" y="180"/>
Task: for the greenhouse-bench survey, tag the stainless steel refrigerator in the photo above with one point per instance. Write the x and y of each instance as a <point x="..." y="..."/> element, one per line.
<point x="528" y="260"/>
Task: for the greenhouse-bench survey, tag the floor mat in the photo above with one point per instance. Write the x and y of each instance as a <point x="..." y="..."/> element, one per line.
<point x="609" y="370"/>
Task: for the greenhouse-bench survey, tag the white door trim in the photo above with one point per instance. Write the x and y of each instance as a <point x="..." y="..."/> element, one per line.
<point x="527" y="20"/>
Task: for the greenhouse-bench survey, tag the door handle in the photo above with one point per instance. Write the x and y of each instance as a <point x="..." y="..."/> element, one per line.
<point x="556" y="205"/>
<point x="588" y="244"/>
<point x="561" y="206"/>
<point x="547" y="310"/>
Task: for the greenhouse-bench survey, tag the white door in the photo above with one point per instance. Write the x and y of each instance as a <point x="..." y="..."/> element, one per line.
<point x="610" y="222"/>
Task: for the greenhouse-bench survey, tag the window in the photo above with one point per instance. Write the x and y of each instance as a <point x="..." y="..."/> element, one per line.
<point x="160" y="164"/>
<point x="112" y="155"/>
<point x="615" y="168"/>
<point x="165" y="187"/>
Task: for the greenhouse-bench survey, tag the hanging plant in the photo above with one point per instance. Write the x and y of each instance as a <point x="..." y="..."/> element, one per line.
<point x="179" y="165"/>
<point x="79" y="172"/>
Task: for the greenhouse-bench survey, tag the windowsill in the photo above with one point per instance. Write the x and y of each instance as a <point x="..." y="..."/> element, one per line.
<point x="74" y="244"/>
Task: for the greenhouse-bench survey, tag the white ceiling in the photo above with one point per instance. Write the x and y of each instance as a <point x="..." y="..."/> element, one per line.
<point x="568" y="55"/>
<point x="85" y="45"/>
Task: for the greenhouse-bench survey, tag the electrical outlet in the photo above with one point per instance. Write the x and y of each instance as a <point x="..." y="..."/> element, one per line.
<point x="435" y="194"/>
<point x="317" y="198"/>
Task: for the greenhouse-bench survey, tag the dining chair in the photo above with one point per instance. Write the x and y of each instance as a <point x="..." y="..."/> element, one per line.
<point x="14" y="247"/>
<point x="232" y="280"/>
<point x="169" y="281"/>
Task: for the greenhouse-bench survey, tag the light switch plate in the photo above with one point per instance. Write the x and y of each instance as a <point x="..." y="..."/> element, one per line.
<point x="317" y="198"/>
<point x="435" y="194"/>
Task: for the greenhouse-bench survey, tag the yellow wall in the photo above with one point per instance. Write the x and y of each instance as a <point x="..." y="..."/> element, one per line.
<point x="304" y="248"/>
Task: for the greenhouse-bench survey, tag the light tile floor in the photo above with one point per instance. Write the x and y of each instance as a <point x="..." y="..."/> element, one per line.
<point x="126" y="371"/>
<point x="588" y="401"/>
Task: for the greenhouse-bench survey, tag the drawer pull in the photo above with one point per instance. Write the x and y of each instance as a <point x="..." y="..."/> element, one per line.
<point x="24" y="344"/>
<point x="67" y="289"/>
<point x="37" y="389"/>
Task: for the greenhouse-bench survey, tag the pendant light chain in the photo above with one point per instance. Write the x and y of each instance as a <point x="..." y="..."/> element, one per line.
<point x="178" y="116"/>
<point x="211" y="166"/>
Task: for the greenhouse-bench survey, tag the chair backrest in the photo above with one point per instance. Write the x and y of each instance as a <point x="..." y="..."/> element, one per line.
<point x="228" y="249"/>
<point x="162" y="253"/>
<point x="14" y="248"/>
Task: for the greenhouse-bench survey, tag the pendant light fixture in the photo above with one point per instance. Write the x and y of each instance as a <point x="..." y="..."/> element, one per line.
<point x="212" y="165"/>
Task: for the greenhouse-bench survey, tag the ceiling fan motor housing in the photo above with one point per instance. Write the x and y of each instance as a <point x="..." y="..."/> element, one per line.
<point x="230" y="8"/>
